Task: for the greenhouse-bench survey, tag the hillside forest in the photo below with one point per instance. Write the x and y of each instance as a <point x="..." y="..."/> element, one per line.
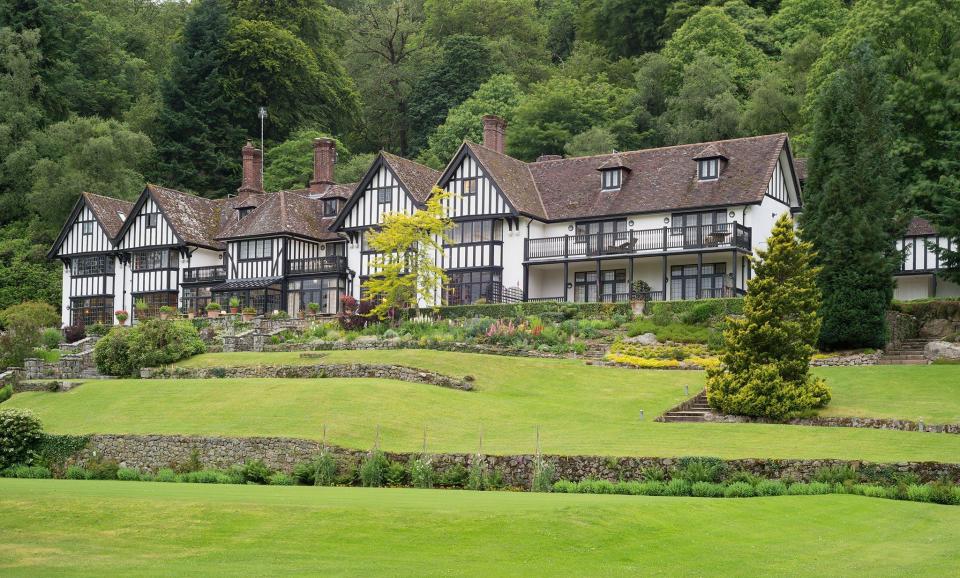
<point x="107" y="95"/>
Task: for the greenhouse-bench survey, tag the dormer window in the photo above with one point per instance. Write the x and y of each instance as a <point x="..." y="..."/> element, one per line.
<point x="330" y="207"/>
<point x="243" y="212"/>
<point x="709" y="169"/>
<point x="611" y="179"/>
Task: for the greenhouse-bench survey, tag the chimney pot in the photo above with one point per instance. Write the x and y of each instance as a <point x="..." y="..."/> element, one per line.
<point x="324" y="157"/>
<point x="494" y="132"/>
<point x="252" y="170"/>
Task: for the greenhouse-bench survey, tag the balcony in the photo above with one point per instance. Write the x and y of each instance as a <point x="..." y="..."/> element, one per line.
<point x="213" y="274"/>
<point x="639" y="242"/>
<point x="317" y="265"/>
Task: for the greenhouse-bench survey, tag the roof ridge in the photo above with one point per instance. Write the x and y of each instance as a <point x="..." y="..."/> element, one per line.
<point x="663" y="148"/>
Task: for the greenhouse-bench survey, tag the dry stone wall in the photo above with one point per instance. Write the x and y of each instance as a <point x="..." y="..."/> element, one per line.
<point x="153" y="452"/>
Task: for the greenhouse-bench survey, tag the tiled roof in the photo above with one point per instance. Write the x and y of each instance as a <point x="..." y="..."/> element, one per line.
<point x="416" y="178"/>
<point x="108" y="211"/>
<point x="661" y="179"/>
<point x="195" y="220"/>
<point x="800" y="165"/>
<point x="920" y="227"/>
<point x="334" y="191"/>
<point x="284" y="212"/>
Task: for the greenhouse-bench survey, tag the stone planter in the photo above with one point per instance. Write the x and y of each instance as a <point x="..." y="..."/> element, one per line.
<point x="213" y="314"/>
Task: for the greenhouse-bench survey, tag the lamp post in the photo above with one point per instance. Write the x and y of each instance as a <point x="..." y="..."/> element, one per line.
<point x="262" y="113"/>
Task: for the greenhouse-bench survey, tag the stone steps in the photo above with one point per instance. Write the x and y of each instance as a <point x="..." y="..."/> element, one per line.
<point x="694" y="411"/>
<point x="907" y="352"/>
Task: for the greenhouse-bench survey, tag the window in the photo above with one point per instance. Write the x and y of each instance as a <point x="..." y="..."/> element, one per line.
<point x="153" y="260"/>
<point x="330" y="207"/>
<point x="709" y="169"/>
<point x="88" y="311"/>
<point x="324" y="291"/>
<point x="466" y="287"/>
<point x="613" y="286"/>
<point x="469" y="186"/>
<point x="365" y="241"/>
<point x="243" y="212"/>
<point x="464" y="232"/>
<point x="196" y="299"/>
<point x="255" y="250"/>
<point x="87" y="227"/>
<point x="602" y="236"/>
<point x="385" y="195"/>
<point x="89" y="266"/>
<point x="151" y="220"/>
<point x="154" y="302"/>
<point x="683" y="281"/>
<point x="610" y="179"/>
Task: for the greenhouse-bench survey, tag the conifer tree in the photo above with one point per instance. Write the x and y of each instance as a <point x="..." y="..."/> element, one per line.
<point x="850" y="214"/>
<point x="765" y="366"/>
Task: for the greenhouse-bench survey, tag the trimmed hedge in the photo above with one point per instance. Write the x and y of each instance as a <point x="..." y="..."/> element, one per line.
<point x="716" y="307"/>
<point x="509" y="310"/>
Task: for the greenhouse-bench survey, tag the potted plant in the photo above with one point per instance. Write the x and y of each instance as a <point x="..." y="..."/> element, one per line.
<point x="122" y="316"/>
<point x="234" y="305"/>
<point x="141" y="307"/>
<point x="213" y="310"/>
<point x="314" y="308"/>
<point x="191" y="314"/>
<point x="639" y="295"/>
<point x="249" y="313"/>
<point x="165" y="311"/>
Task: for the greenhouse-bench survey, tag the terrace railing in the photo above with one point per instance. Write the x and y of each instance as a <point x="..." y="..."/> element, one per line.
<point x="205" y="274"/>
<point x="723" y="235"/>
<point x="329" y="264"/>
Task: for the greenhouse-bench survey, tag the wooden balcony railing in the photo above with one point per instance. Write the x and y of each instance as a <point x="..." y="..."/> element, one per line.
<point x="732" y="235"/>
<point x="205" y="274"/>
<point x="329" y="264"/>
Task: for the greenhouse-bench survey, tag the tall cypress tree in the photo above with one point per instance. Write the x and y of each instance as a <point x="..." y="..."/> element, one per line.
<point x="850" y="214"/>
<point x="199" y="142"/>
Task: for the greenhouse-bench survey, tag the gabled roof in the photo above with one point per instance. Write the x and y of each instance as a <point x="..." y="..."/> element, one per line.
<point x="920" y="227"/>
<point x="661" y="179"/>
<point x="106" y="210"/>
<point x="195" y="220"/>
<point x="283" y="213"/>
<point x="110" y="212"/>
<point x="711" y="151"/>
<point x="416" y="179"/>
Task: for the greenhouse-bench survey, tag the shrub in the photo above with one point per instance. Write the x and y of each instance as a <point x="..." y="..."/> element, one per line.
<point x="50" y="338"/>
<point x="918" y="493"/>
<point x="739" y="490"/>
<point x="98" y="329"/>
<point x="166" y="475"/>
<point x="477" y="474"/>
<point x="128" y="475"/>
<point x="453" y="477"/>
<point x="421" y="472"/>
<point x="23" y="323"/>
<point x="320" y="471"/>
<point x="835" y="474"/>
<point x="396" y="475"/>
<point x="373" y="469"/>
<point x="564" y="487"/>
<point x="211" y="477"/>
<point x="282" y="479"/>
<point x="6" y="392"/>
<point x="20" y="436"/>
<point x="542" y="475"/>
<point x="707" y="490"/>
<point x="653" y="489"/>
<point x="678" y="487"/>
<point x="943" y="492"/>
<point x="103" y="470"/>
<point x="255" y="472"/>
<point x="770" y="488"/>
<point x="112" y="353"/>
<point x="698" y="314"/>
<point x="74" y="333"/>
<point x="653" y="474"/>
<point x="700" y="469"/>
<point x="76" y="473"/>
<point x="31" y="472"/>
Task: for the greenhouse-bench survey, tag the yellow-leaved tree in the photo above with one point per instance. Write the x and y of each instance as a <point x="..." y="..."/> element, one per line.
<point x="407" y="273"/>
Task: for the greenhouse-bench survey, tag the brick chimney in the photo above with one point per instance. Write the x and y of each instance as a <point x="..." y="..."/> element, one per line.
<point x="252" y="170"/>
<point x="324" y="157"/>
<point x="494" y="132"/>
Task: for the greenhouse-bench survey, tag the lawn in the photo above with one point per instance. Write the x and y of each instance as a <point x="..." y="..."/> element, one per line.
<point x="131" y="528"/>
<point x="580" y="409"/>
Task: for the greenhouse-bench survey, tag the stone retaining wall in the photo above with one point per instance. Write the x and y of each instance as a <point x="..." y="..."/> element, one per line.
<point x="396" y="343"/>
<point x="153" y="452"/>
<point x="863" y="422"/>
<point x="843" y="360"/>
<point x="901" y="326"/>
<point x="348" y="370"/>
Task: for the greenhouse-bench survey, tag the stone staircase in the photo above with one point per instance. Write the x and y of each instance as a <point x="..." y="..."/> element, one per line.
<point x="692" y="410"/>
<point x="907" y="352"/>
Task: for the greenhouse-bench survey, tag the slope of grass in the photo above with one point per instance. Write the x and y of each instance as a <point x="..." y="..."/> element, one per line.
<point x="130" y="528"/>
<point x="580" y="410"/>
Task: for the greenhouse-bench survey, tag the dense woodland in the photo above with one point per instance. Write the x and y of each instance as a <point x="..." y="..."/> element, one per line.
<point x="105" y="95"/>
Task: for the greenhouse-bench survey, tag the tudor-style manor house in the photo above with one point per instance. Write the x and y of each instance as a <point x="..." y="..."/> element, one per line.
<point x="674" y="223"/>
